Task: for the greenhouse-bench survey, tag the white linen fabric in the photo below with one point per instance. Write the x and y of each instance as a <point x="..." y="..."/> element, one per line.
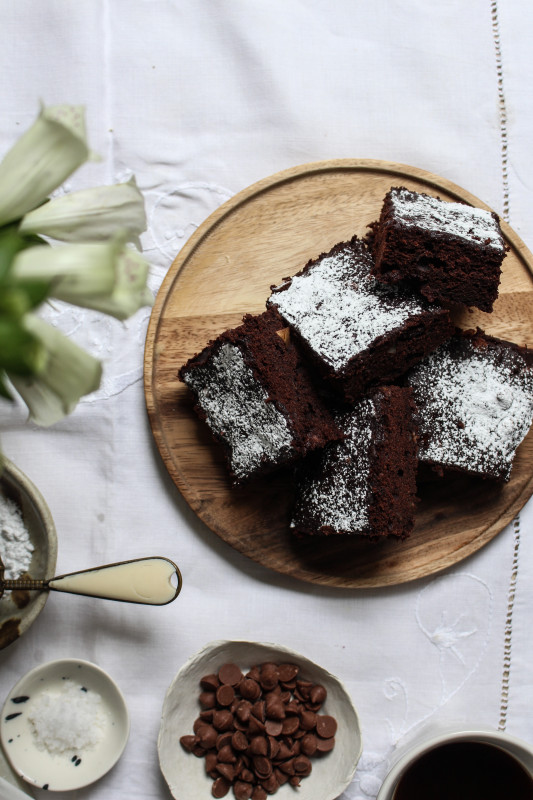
<point x="198" y="100"/>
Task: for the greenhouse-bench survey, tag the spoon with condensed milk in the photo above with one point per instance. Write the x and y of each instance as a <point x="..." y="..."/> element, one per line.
<point x="141" y="580"/>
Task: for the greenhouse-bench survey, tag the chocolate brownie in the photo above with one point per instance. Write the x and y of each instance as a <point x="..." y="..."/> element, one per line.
<point x="475" y="402"/>
<point x="366" y="483"/>
<point x="255" y="394"/>
<point x="452" y="252"/>
<point x="354" y="331"/>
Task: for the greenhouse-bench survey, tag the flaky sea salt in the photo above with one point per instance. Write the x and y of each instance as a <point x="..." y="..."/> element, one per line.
<point x="457" y="219"/>
<point x="16" y="547"/>
<point x="237" y="409"/>
<point x="339" y="309"/>
<point x="67" y="718"/>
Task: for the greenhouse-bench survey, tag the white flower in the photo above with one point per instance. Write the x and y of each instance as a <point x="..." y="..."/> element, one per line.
<point x="90" y="214"/>
<point x="68" y="373"/>
<point x="105" y="276"/>
<point x="41" y="160"/>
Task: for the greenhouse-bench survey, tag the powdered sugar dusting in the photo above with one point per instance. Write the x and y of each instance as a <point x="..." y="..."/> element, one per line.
<point x="474" y="410"/>
<point x="339" y="308"/>
<point x="430" y="213"/>
<point x="338" y="495"/>
<point x="236" y="409"/>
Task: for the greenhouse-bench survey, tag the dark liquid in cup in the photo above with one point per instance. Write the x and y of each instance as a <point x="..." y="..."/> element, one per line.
<point x="465" y="771"/>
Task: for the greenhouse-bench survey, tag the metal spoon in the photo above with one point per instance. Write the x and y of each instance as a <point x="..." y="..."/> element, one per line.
<point x="141" y="580"/>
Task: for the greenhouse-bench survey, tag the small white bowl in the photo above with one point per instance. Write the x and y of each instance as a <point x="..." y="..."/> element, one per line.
<point x="425" y="742"/>
<point x="70" y="769"/>
<point x="185" y="774"/>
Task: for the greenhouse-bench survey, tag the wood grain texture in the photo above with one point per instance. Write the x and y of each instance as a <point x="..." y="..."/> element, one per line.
<point x="263" y="234"/>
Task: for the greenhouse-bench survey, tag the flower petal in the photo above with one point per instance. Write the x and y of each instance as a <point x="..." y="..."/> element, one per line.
<point x="41" y="160"/>
<point x="90" y="214"/>
<point x="108" y="277"/>
<point x="68" y="374"/>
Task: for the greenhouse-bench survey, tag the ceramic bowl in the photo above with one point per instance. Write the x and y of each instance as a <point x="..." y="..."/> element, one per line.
<point x="69" y="768"/>
<point x="426" y="741"/>
<point x="18" y="610"/>
<point x="185" y="774"/>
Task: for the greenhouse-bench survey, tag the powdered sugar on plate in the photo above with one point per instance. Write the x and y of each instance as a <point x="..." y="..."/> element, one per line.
<point x="456" y="219"/>
<point x="339" y="308"/>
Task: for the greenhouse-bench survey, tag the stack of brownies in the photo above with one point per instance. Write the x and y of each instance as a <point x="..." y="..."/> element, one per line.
<point x="355" y="372"/>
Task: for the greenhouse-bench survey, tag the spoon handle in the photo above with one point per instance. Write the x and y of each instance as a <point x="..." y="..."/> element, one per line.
<point x="142" y="580"/>
<point x="23" y="583"/>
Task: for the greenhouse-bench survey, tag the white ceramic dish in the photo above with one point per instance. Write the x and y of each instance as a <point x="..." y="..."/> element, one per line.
<point x="20" y="609"/>
<point x="185" y="774"/>
<point x="70" y="769"/>
<point x="424" y="742"/>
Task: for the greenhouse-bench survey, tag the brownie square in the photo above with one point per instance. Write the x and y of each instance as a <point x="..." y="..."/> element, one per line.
<point x="354" y="331"/>
<point x="366" y="483"/>
<point x="475" y="402"/>
<point x="452" y="252"/>
<point x="255" y="394"/>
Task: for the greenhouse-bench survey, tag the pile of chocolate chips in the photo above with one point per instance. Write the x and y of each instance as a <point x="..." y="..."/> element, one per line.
<point x="260" y="730"/>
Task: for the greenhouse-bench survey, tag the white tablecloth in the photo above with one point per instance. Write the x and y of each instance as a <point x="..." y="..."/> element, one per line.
<point x="198" y="100"/>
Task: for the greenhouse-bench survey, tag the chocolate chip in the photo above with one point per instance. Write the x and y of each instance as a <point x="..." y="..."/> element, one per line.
<point x="243" y="710"/>
<point x="208" y="700"/>
<point x="268" y="676"/>
<point x="188" y="742"/>
<point x="273" y="727"/>
<point x="223" y="739"/>
<point x="271" y="785"/>
<point x="226" y="755"/>
<point x="287" y="672"/>
<point x="302" y="765"/>
<point x="230" y="673"/>
<point x="239" y="741"/>
<point x="210" y="683"/>
<point x="255" y="726"/>
<point x="207" y="736"/>
<point x="318" y="695"/>
<point x="210" y="764"/>
<point x="227" y="771"/>
<point x="273" y="747"/>
<point x="259" y="746"/>
<point x="222" y="719"/>
<point x="308" y="720"/>
<point x="220" y="787"/>
<point x="325" y="745"/>
<point x="259" y="793"/>
<point x="249" y="689"/>
<point x="242" y="790"/>
<point x="275" y="709"/>
<point x="290" y="726"/>
<point x="225" y="695"/>
<point x="287" y="767"/>
<point x="258" y="710"/>
<point x="308" y="744"/>
<point x="326" y="726"/>
<point x="262" y="766"/>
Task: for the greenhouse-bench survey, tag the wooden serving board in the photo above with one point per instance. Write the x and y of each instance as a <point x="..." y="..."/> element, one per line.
<point x="263" y="234"/>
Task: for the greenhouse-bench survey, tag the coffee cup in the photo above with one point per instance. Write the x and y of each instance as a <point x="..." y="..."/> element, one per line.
<point x="476" y="763"/>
